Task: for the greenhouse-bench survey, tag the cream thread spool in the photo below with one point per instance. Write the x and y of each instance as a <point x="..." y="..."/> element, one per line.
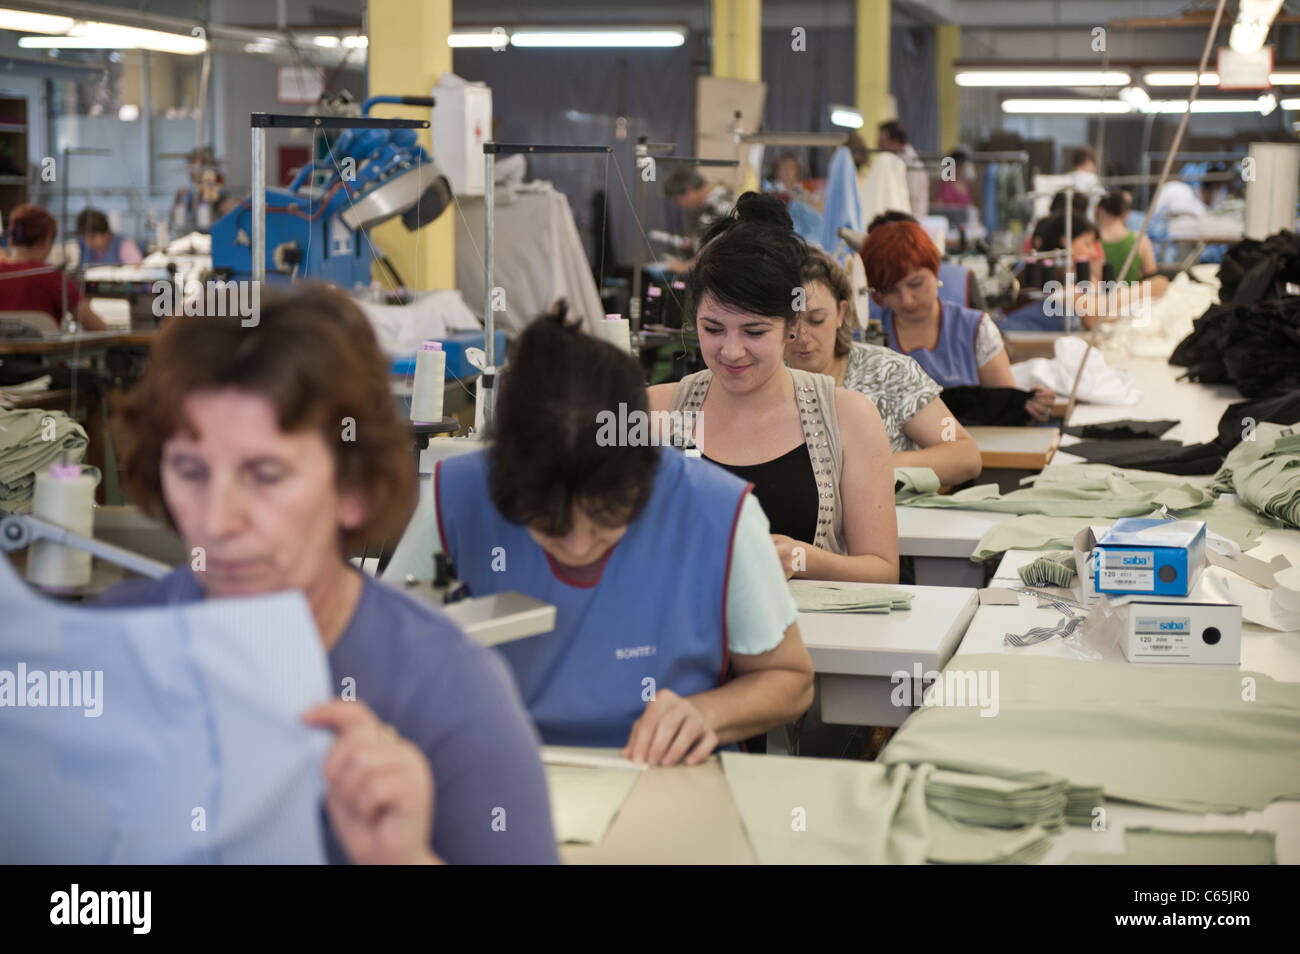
<point x="65" y="496"/>
<point x="430" y="380"/>
<point x="616" y="331"/>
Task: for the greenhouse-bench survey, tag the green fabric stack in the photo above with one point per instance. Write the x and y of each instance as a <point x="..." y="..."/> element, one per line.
<point x="1154" y="846"/>
<point x="1090" y="491"/>
<point x="1264" y="472"/>
<point x="1180" y="737"/>
<point x="816" y="596"/>
<point x="1050" y="569"/>
<point x="993" y="802"/>
<point x="30" y="441"/>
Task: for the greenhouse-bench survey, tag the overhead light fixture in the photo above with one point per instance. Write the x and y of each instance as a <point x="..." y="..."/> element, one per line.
<point x="1135" y="96"/>
<point x="1080" y="107"/>
<point x="846" y="116"/>
<point x="597" y="38"/>
<point x="20" y="21"/>
<point x="327" y="41"/>
<point x="1254" y="19"/>
<point x="263" y="44"/>
<point x="1290" y="104"/>
<point x="91" y="34"/>
<point x="128" y="113"/>
<point x="1284" y="79"/>
<point x="1029" y="78"/>
<point x="478" y="38"/>
<point x="356" y="42"/>
<point x="1263" y="105"/>
<point x="1187" y="78"/>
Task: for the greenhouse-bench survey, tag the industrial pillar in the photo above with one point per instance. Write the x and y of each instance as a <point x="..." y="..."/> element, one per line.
<point x="407" y="54"/>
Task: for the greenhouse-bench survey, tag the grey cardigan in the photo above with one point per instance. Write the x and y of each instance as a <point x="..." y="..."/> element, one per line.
<point x="815" y="398"/>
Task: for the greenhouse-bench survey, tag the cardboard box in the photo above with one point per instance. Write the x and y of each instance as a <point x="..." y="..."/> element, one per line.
<point x="1159" y="557"/>
<point x="1196" y="629"/>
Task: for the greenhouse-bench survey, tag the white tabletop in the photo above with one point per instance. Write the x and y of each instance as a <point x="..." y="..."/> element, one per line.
<point x="870" y="644"/>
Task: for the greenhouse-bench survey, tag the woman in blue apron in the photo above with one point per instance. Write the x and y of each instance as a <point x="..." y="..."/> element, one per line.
<point x="98" y="244"/>
<point x="674" y="630"/>
<point x="955" y="345"/>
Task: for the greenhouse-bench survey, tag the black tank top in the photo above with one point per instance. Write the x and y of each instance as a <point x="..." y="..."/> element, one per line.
<point x="786" y="489"/>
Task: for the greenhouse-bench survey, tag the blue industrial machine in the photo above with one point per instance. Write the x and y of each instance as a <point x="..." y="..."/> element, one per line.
<point x="316" y="228"/>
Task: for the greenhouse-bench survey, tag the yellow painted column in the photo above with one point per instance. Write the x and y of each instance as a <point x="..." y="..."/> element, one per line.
<point x="407" y="54"/>
<point x="738" y="39"/>
<point x="947" y="43"/>
<point x="871" y="66"/>
<point x="738" y="52"/>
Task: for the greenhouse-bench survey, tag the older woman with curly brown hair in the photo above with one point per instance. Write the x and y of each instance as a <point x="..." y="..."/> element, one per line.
<point x="275" y="450"/>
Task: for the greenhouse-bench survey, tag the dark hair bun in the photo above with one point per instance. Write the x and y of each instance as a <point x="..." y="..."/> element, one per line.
<point x="765" y="210"/>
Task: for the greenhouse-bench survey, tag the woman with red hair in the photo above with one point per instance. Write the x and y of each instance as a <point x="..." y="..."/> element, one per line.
<point x="28" y="284"/>
<point x="955" y="345"/>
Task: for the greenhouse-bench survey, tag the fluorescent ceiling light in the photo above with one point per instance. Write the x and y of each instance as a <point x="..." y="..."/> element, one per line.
<point x="326" y="41"/>
<point x="1187" y="78"/>
<point x="1263" y="105"/>
<point x="356" y="42"/>
<point x="71" y="43"/>
<point x="598" y="38"/>
<point x="1043" y="78"/>
<point x="128" y="113"/>
<point x="1074" y="106"/>
<point x="1135" y="96"/>
<point x="468" y="40"/>
<point x="20" y="21"/>
<point x="1284" y="79"/>
<point x="1254" y="18"/>
<point x="846" y="116"/>
<point x="1290" y="104"/>
<point x="91" y="34"/>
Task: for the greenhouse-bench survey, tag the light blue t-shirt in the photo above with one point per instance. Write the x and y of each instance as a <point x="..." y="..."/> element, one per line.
<point x="451" y="697"/>
<point x="759" y="605"/>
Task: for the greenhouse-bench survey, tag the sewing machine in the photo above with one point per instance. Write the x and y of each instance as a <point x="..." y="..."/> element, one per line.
<point x="318" y="226"/>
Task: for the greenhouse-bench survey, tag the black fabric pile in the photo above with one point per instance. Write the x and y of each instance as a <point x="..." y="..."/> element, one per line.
<point x="1252" y="339"/>
<point x="988" y="407"/>
<point x="1145" y="451"/>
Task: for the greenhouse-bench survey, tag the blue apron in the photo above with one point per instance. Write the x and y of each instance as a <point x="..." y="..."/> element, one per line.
<point x="655" y="620"/>
<point x="110" y="256"/>
<point x="952" y="360"/>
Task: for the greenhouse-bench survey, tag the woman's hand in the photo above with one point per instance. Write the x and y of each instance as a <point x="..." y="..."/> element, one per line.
<point x="792" y="552"/>
<point x="1040" y="405"/>
<point x="670" y="730"/>
<point x="379" y="788"/>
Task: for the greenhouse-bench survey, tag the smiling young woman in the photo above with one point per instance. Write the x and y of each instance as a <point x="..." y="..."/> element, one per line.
<point x="817" y="455"/>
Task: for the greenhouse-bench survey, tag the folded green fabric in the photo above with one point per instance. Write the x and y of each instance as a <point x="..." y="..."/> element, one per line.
<point x="1050" y="569"/>
<point x="837" y="811"/>
<point x="1091" y="491"/>
<point x="820" y="596"/>
<point x="1154" y="846"/>
<point x="1264" y="472"/>
<point x="915" y="480"/>
<point x="1180" y="737"/>
<point x="26" y="450"/>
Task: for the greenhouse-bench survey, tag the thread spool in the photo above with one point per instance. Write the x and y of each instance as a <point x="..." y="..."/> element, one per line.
<point x="616" y="331"/>
<point x="430" y="378"/>
<point x="65" y="496"/>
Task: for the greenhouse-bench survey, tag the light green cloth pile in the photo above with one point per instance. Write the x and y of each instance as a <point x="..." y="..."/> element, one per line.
<point x="1091" y="491"/>
<point x="24" y="451"/>
<point x="1265" y="472"/>
<point x="1179" y="737"/>
<point x="915" y="480"/>
<point x="1050" y="569"/>
<point x="838" y="811"/>
<point x="1225" y="516"/>
<point x="818" y="596"/>
<point x="994" y="802"/>
<point x="1155" y="846"/>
